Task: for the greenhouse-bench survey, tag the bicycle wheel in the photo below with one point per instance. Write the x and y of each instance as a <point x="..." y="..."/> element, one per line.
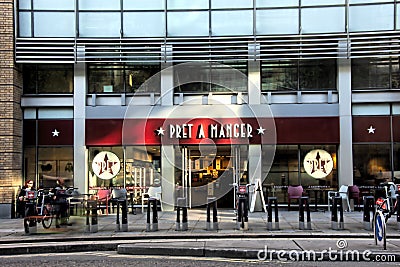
<point x="26" y="225"/>
<point x="47" y="218"/>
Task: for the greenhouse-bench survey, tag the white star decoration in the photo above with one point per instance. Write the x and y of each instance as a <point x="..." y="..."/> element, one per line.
<point x="160" y="131"/>
<point x="260" y="130"/>
<point x="371" y="130"/>
<point x="55" y="132"/>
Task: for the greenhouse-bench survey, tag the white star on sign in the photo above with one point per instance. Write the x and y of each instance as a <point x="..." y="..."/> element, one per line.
<point x="55" y="132"/>
<point x="260" y="130"/>
<point x="160" y="131"/>
<point x="371" y="130"/>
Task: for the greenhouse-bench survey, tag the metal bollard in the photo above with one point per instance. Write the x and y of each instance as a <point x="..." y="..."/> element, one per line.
<point x="368" y="212"/>
<point x="272" y="201"/>
<point x="152" y="208"/>
<point x="181" y="205"/>
<point x="212" y="202"/>
<point x="398" y="211"/>
<point x="124" y="216"/>
<point x="242" y="221"/>
<point x="337" y="206"/>
<point x="91" y="211"/>
<point x="304" y="205"/>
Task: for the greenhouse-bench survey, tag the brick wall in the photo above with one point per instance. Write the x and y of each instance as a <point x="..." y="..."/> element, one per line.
<point x="10" y="110"/>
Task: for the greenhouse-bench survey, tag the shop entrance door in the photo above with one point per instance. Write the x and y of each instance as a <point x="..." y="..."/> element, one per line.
<point x="210" y="171"/>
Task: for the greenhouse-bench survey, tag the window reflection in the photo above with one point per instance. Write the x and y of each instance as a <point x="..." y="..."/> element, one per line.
<point x="299" y="75"/>
<point x="43" y="79"/>
<point x="122" y="78"/>
<point x="372" y="73"/>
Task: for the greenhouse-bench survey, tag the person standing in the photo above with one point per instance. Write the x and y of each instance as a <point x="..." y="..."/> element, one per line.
<point x="27" y="196"/>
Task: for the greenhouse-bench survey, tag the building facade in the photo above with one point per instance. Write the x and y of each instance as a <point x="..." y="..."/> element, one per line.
<point x="200" y="94"/>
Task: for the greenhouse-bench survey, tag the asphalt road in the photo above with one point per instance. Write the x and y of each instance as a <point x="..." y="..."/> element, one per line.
<point x="111" y="258"/>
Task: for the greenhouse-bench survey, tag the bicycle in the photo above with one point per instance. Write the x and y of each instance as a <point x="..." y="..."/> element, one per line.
<point x="241" y="207"/>
<point x="38" y="209"/>
<point x="385" y="207"/>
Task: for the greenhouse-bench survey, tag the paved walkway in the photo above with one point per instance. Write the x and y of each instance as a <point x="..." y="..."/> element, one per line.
<point x="226" y="242"/>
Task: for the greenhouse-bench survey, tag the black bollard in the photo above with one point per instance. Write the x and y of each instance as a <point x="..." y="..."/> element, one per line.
<point x="212" y="202"/>
<point x="152" y="226"/>
<point x="181" y="205"/>
<point x="368" y="212"/>
<point x="304" y="206"/>
<point x="91" y="216"/>
<point x="398" y="211"/>
<point x="337" y="210"/>
<point x="272" y="201"/>
<point x="94" y="228"/>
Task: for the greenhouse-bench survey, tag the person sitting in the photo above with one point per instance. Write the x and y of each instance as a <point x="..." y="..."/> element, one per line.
<point x="61" y="203"/>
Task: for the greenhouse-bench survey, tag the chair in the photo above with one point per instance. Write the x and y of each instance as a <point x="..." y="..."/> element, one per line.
<point x="152" y="192"/>
<point x="103" y="197"/>
<point x="294" y="192"/>
<point x="354" y="193"/>
<point x="343" y="192"/>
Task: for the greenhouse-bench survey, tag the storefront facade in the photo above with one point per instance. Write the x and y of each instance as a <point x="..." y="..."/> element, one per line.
<point x="190" y="104"/>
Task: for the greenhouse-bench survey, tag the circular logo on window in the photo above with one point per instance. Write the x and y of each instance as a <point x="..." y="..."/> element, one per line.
<point x="106" y="165"/>
<point x="318" y="163"/>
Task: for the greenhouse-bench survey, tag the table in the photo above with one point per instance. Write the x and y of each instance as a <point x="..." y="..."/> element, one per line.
<point x="319" y="193"/>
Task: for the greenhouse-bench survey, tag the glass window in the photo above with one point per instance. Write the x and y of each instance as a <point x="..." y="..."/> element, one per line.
<point x="114" y="78"/>
<point x="299" y="75"/>
<point x="277" y="21"/>
<point x="323" y="20"/>
<point x="95" y="182"/>
<point x="276" y="3"/>
<point x="24" y="4"/>
<point x="192" y="78"/>
<point x="143" y="166"/>
<point x="396" y="109"/>
<point x="230" y="77"/>
<point x="370" y="73"/>
<point x="146" y="24"/>
<point x="25" y="24"/>
<point x="281" y="75"/>
<point x="368" y="1"/>
<point x="307" y="180"/>
<point x="194" y="23"/>
<point x="55" y="163"/>
<point x="371" y="164"/>
<point x="237" y="22"/>
<point x="54" y="5"/>
<point x="144" y="5"/>
<point x="183" y="4"/>
<point x="137" y="75"/>
<point x="396" y="157"/>
<point x="395" y="72"/>
<point x="322" y="3"/>
<point x="105" y="79"/>
<point x="54" y="24"/>
<point x="99" y="24"/>
<point x="30" y="164"/>
<point x="371" y="109"/>
<point x="99" y="5"/>
<point x="55" y="113"/>
<point x="231" y="4"/>
<point x="317" y="74"/>
<point x="43" y="78"/>
<point x="285" y="167"/>
<point x="371" y="18"/>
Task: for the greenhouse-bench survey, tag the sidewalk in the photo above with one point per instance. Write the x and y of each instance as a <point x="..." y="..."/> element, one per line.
<point x="197" y="241"/>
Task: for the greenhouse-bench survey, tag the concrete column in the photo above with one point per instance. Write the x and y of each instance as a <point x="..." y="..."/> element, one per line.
<point x="80" y="155"/>
<point x="167" y="78"/>
<point x="255" y="171"/>
<point x="345" y="151"/>
<point x="168" y="177"/>
<point x="254" y="82"/>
